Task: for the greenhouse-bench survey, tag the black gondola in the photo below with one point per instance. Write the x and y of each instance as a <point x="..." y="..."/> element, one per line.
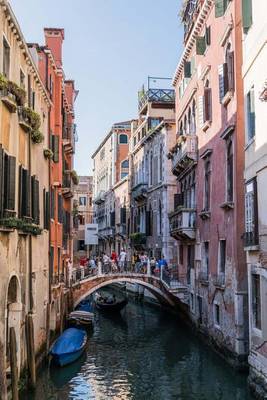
<point x="114" y="306"/>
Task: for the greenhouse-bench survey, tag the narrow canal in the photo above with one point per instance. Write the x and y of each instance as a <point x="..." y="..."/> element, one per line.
<point x="143" y="354"/>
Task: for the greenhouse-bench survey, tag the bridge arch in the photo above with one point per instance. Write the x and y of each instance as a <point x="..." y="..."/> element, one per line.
<point x="154" y="285"/>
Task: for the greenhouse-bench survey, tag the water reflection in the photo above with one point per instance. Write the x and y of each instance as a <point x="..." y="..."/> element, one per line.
<point x="143" y="355"/>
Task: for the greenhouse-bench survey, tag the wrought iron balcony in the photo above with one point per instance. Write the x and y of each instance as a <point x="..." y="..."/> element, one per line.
<point x="159" y="96"/>
<point x="139" y="192"/>
<point x="182" y="223"/>
<point x="250" y="239"/>
<point x="184" y="153"/>
<point x="108" y="232"/>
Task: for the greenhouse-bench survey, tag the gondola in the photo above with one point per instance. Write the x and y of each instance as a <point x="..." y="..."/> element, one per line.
<point x="68" y="347"/>
<point x="82" y="319"/>
<point x="114" y="306"/>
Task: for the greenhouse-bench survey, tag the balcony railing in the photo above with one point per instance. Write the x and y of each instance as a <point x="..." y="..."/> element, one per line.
<point x="185" y="153"/>
<point x="139" y="192"/>
<point x="182" y="223"/>
<point x="107" y="232"/>
<point x="166" y="96"/>
<point x="250" y="239"/>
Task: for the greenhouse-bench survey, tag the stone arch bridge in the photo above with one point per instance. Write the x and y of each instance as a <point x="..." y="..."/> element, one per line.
<point x="171" y="294"/>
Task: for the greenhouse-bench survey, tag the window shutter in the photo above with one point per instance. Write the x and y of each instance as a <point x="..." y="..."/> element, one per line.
<point x="200" y="110"/>
<point x="219" y="8"/>
<point x="200" y="45"/>
<point x="56" y="148"/>
<point x="207" y="104"/>
<point x="148" y="225"/>
<point x="252" y="113"/>
<point x="60" y="205"/>
<point x="47" y="208"/>
<point x="207" y="35"/>
<point x="20" y="191"/>
<point x="123" y="215"/>
<point x="221" y="82"/>
<point x="2" y="171"/>
<point x="11" y="183"/>
<point x="52" y="205"/>
<point x="35" y="200"/>
<point x="225" y="79"/>
<point x="187" y="69"/>
<point x="247" y="14"/>
<point x="231" y="70"/>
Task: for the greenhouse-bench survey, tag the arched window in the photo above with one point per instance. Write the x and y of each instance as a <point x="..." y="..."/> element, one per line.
<point x="161" y="163"/>
<point x="181" y="130"/>
<point x="185" y="126"/>
<point x="189" y="121"/>
<point x="193" y="128"/>
<point x="207" y="187"/>
<point x="123" y="139"/>
<point x="151" y="169"/>
<point x="124" y="168"/>
<point x="160" y="219"/>
<point x="230" y="171"/>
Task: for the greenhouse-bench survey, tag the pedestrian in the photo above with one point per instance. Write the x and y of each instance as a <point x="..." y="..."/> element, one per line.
<point x="153" y="265"/>
<point x="122" y="260"/>
<point x="106" y="261"/>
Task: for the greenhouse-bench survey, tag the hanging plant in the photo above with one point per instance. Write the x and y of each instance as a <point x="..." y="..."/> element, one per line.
<point x="33" y="118"/>
<point x="17" y="91"/>
<point x="74" y="176"/>
<point x="3" y="82"/>
<point x="37" y="136"/>
<point x="48" y="154"/>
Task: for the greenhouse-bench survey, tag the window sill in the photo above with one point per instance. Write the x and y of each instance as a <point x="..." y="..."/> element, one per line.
<point x="255" y="247"/>
<point x="227" y="97"/>
<point x="206" y="125"/>
<point x="204" y="214"/>
<point x="227" y="205"/>
<point x="6" y="230"/>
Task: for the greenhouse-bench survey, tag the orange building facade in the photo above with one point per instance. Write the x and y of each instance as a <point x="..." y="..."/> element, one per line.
<point x="62" y="137"/>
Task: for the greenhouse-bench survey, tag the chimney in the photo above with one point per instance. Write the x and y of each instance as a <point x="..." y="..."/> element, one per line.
<point x="54" y="39"/>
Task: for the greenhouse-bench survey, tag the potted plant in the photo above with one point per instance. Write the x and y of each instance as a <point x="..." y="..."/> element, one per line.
<point x="37" y="136"/>
<point x="48" y="154"/>
<point x="17" y="91"/>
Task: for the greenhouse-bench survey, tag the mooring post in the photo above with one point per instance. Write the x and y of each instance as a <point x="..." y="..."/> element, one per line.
<point x="14" y="364"/>
<point x="3" y="387"/>
<point x="47" y="328"/>
<point x="30" y="351"/>
<point x="62" y="312"/>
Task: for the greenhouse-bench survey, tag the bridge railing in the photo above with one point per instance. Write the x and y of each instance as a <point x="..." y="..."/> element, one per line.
<point x="169" y="275"/>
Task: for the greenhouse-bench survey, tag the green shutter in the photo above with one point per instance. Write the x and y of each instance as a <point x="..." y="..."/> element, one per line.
<point x="47" y="208"/>
<point x="187" y="69"/>
<point x="207" y="35"/>
<point x="35" y="200"/>
<point x="11" y="183"/>
<point x="219" y="8"/>
<point x="247" y="14"/>
<point x="200" y="45"/>
<point x="56" y="148"/>
<point x="20" y="192"/>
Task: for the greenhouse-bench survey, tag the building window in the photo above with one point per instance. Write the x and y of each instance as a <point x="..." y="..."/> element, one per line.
<point x="22" y="79"/>
<point x="246" y="14"/>
<point x="123" y="139"/>
<point x="82" y="201"/>
<point x="124" y="168"/>
<point x="217" y="314"/>
<point x="222" y="256"/>
<point x="256" y="301"/>
<point x="200" y="311"/>
<point x="206" y="258"/>
<point x="207" y="110"/>
<point x="161" y="163"/>
<point x="207" y="185"/>
<point x="181" y="254"/>
<point x="81" y="245"/>
<point x="151" y="169"/>
<point x="230" y="172"/>
<point x="193" y="123"/>
<point x="160" y="218"/>
<point x="6" y="58"/>
<point x="192" y="303"/>
<point x="250" y="114"/>
<point x="251" y="213"/>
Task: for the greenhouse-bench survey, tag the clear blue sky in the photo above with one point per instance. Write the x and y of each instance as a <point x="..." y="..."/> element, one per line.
<point x="110" y="48"/>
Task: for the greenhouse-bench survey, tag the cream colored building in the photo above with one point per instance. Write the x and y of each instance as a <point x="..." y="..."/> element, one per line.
<point x="255" y="236"/>
<point x="121" y="202"/>
<point x="24" y="238"/>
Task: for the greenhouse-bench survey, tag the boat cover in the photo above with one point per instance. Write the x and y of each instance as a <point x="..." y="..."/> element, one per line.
<point x="71" y="340"/>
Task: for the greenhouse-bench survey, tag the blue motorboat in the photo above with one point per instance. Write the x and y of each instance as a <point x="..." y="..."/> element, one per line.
<point x="69" y="346"/>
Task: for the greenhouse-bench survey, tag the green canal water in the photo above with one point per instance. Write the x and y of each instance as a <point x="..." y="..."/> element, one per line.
<point x="144" y="354"/>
